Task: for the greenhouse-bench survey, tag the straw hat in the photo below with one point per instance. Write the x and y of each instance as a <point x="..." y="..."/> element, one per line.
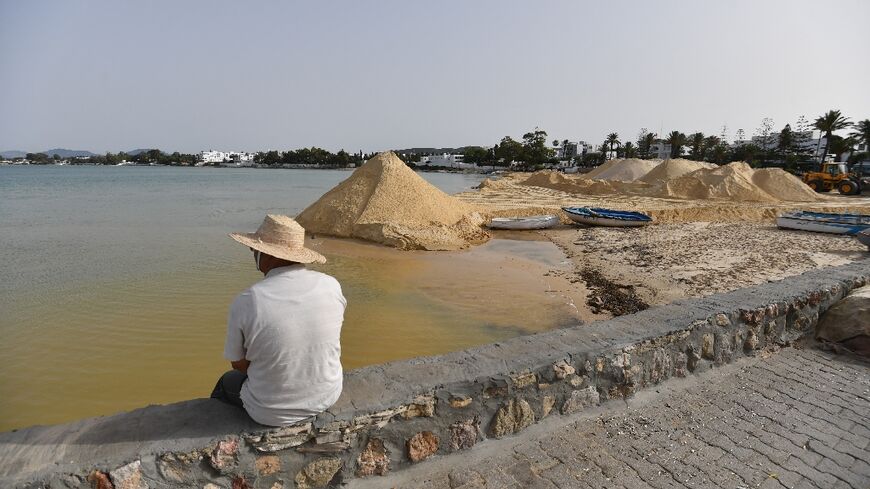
<point x="280" y="237"/>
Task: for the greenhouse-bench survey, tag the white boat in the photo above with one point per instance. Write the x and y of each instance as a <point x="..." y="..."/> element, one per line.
<point x="594" y="216"/>
<point x="531" y="222"/>
<point x="823" y="222"/>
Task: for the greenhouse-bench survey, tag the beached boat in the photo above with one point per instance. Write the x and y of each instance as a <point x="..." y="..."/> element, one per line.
<point x="823" y="222"/>
<point x="595" y="216"/>
<point x="864" y="238"/>
<point x="531" y="222"/>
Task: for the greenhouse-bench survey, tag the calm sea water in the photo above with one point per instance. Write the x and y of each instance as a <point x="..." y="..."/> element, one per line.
<point x="115" y="282"/>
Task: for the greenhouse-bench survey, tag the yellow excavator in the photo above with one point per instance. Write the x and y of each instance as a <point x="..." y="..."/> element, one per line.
<point x="834" y="175"/>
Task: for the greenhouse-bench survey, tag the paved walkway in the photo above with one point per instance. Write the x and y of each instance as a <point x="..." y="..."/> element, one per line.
<point x="797" y="419"/>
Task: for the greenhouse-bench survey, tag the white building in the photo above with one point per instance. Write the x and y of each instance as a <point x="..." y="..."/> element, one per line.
<point x="228" y="158"/>
<point x="445" y="160"/>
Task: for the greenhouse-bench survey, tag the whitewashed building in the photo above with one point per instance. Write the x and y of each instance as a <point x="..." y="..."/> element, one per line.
<point x="445" y="160"/>
<point x="227" y="158"/>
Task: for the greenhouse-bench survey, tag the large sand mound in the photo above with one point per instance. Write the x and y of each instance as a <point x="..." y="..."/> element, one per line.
<point x="671" y="169"/>
<point x="685" y="179"/>
<point x="386" y="202"/>
<point x="627" y="170"/>
<point x="783" y="185"/>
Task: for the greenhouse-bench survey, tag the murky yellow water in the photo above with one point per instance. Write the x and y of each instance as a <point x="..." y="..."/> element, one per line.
<point x="113" y="294"/>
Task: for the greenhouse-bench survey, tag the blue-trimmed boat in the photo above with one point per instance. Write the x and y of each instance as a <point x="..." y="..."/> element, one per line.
<point x="596" y="216"/>
<point x="823" y="222"/>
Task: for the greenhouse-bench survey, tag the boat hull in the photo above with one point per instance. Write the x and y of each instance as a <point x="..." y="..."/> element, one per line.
<point x="605" y="221"/>
<point x="606" y="217"/>
<point x="523" y="223"/>
<point x="818" y="222"/>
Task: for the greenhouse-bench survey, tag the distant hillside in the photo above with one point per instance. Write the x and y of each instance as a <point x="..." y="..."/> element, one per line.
<point x="12" y="154"/>
<point x="67" y="153"/>
<point x="139" y="151"/>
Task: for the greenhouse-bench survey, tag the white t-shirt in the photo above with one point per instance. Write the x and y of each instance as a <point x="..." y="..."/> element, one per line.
<point x="288" y="326"/>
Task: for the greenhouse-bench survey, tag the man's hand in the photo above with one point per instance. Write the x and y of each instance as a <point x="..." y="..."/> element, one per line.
<point x="241" y="365"/>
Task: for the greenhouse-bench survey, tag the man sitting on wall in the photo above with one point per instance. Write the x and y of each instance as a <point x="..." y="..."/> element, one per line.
<point x="283" y="332"/>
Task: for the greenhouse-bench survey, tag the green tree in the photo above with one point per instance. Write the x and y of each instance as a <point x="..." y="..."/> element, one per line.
<point x="645" y="141"/>
<point x="629" y="150"/>
<point x="828" y="124"/>
<point x="509" y="151"/>
<point x="710" y="143"/>
<point x="786" y="142"/>
<point x="862" y="135"/>
<point x="535" y="150"/>
<point x="696" y="144"/>
<point x="476" y="155"/>
<point x="612" y="140"/>
<point x="677" y="140"/>
<point x="840" y="145"/>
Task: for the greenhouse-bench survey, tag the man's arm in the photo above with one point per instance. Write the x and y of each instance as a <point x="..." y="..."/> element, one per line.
<point x="241" y="365"/>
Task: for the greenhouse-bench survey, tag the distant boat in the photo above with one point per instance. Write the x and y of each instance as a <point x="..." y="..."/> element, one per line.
<point x="823" y="222"/>
<point x="864" y="238"/>
<point x="595" y="216"/>
<point x="531" y="222"/>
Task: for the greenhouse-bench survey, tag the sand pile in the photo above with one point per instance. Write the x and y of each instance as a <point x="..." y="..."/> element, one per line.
<point x="386" y="202"/>
<point x="627" y="170"/>
<point x="683" y="179"/>
<point x="551" y="179"/>
<point x="671" y="169"/>
<point x="731" y="182"/>
<point x="783" y="185"/>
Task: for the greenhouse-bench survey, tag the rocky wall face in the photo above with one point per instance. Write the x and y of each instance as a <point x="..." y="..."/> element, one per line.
<point x="448" y="418"/>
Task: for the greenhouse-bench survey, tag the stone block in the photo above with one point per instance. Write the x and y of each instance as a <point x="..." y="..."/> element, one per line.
<point x="722" y="320"/>
<point x="374" y="459"/>
<point x="422" y="446"/>
<point x="267" y="464"/>
<point x="318" y="473"/>
<point x="707" y="341"/>
<point x="751" y="342"/>
<point x="521" y="381"/>
<point x="580" y="399"/>
<point x="464" y="434"/>
<point x="422" y="406"/>
<point x="512" y="417"/>
<point x="99" y="480"/>
<point x="562" y="369"/>
<point x="281" y="438"/>
<point x="239" y="482"/>
<point x="224" y="457"/>
<point x="176" y="466"/>
<point x="547" y="404"/>
<point x="128" y="476"/>
<point x="459" y="402"/>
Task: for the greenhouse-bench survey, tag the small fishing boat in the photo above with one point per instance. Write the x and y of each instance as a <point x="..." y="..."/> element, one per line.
<point x="594" y="216"/>
<point x="823" y="222"/>
<point x="864" y="238"/>
<point x="531" y="222"/>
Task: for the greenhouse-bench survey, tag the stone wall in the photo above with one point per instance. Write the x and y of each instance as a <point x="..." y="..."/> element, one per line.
<point x="394" y="415"/>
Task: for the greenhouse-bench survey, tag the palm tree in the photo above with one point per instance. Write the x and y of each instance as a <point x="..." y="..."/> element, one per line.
<point x="829" y="123"/>
<point x="697" y="143"/>
<point x="862" y="134"/>
<point x="644" y="143"/>
<point x="629" y="150"/>
<point x="677" y="140"/>
<point x="612" y="139"/>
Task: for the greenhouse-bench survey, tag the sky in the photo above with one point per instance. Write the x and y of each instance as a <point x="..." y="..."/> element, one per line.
<point x="192" y="75"/>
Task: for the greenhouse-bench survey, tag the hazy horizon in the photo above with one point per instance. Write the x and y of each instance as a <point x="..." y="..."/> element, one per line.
<point x="190" y="76"/>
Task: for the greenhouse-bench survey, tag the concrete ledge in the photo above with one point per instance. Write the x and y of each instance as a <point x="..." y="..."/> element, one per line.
<point x="393" y="415"/>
